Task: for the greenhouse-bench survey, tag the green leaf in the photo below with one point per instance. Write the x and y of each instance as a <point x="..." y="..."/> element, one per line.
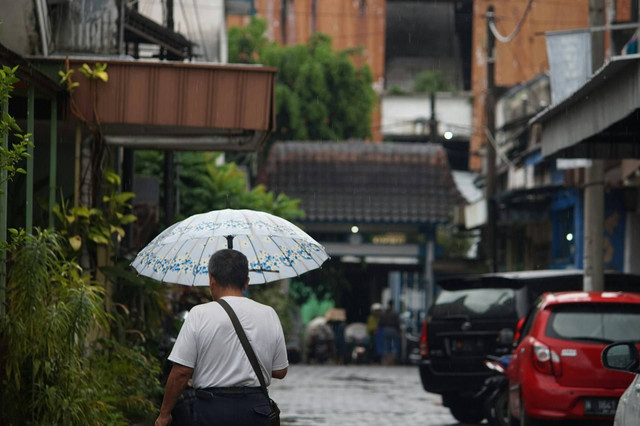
<point x="127" y="219"/>
<point x="75" y="242"/>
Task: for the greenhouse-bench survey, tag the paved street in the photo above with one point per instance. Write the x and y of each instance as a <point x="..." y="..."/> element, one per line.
<point x="357" y="395"/>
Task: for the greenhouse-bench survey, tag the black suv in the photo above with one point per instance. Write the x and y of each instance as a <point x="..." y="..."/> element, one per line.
<point x="475" y="316"/>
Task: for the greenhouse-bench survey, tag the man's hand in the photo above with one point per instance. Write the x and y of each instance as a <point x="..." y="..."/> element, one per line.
<point x="177" y="381"/>
<point x="163" y="420"/>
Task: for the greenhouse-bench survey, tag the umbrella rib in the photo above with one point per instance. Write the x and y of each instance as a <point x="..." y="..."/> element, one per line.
<point x="309" y="253"/>
<point x="262" y="269"/>
<point x="202" y="255"/>
<point x="285" y="255"/>
<point x="196" y="265"/>
<point x="172" y="259"/>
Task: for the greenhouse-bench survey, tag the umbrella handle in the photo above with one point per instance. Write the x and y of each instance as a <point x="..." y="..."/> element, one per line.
<point x="229" y="241"/>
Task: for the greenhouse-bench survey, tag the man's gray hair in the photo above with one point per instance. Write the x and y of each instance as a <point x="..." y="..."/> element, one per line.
<point x="230" y="268"/>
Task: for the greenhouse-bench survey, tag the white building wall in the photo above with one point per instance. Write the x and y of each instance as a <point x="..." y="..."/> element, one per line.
<point x="401" y="115"/>
<point x="201" y="21"/>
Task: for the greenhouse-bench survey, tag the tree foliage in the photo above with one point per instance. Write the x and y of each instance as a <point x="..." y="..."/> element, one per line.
<point x="320" y="94"/>
<point x="431" y="82"/>
<point x="205" y="185"/>
<point x="10" y="157"/>
<point x="53" y="371"/>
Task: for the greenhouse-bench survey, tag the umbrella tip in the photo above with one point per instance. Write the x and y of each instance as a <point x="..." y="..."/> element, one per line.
<point x="228" y="202"/>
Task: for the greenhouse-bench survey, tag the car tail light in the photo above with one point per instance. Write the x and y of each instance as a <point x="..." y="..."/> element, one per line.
<point x="545" y="360"/>
<point x="424" y="346"/>
<point x="518" y="332"/>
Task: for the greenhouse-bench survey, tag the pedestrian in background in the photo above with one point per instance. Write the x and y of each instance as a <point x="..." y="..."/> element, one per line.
<point x="372" y="330"/>
<point x="208" y="351"/>
<point x="389" y="331"/>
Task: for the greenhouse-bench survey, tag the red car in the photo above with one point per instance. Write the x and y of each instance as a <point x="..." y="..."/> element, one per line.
<point x="556" y="372"/>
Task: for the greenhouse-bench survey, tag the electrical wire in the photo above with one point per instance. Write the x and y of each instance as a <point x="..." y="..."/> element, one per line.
<point x="203" y="41"/>
<point x="493" y="142"/>
<point x="515" y="31"/>
<point x="186" y="20"/>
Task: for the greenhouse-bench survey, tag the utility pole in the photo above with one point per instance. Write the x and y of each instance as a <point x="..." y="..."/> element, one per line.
<point x="169" y="161"/>
<point x="490" y="158"/>
<point x="594" y="177"/>
<point x="433" y="124"/>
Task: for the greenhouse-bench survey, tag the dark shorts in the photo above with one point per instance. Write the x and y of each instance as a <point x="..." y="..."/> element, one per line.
<point x="232" y="409"/>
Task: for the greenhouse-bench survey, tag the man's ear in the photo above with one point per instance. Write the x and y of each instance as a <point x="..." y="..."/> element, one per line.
<point x="246" y="285"/>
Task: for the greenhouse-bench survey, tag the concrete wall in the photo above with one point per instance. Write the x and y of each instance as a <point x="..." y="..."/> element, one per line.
<point x="19" y="27"/>
<point x="453" y="112"/>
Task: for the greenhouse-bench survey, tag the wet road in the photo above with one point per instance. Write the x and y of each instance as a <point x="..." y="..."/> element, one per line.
<point x="357" y="395"/>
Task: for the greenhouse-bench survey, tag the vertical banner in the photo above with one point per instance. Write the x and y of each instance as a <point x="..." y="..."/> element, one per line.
<point x="569" y="54"/>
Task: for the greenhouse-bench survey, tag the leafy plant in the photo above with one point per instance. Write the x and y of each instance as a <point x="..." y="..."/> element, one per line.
<point x="81" y="225"/>
<point x="206" y="186"/>
<point x="431" y="82"/>
<point x="10" y="157"/>
<point x="54" y="371"/>
<point x="52" y="308"/>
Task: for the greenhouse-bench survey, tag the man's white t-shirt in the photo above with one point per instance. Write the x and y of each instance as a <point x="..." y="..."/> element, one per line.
<point x="208" y="343"/>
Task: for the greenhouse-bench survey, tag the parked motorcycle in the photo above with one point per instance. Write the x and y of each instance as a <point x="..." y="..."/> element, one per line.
<point x="357" y="342"/>
<point x="495" y="391"/>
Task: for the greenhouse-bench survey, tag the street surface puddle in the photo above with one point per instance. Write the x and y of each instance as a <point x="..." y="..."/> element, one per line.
<point x="302" y="420"/>
<point x="353" y="378"/>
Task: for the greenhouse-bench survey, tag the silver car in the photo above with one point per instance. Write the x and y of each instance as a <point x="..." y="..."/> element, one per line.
<point x="624" y="356"/>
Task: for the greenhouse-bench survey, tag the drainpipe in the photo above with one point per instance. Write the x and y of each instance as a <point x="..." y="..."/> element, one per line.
<point x="76" y="179"/>
<point x="4" y="187"/>
<point x="490" y="179"/>
<point x="53" y="159"/>
<point x="31" y="93"/>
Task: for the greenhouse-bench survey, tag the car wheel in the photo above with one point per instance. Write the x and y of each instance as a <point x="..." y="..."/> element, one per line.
<point x="499" y="414"/>
<point x="467" y="411"/>
<point x="525" y="420"/>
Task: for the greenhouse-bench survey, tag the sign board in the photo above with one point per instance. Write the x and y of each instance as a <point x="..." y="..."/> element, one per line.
<point x="239" y="7"/>
<point x="569" y="54"/>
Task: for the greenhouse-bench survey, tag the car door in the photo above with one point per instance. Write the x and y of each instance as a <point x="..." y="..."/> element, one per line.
<point x="628" y="411"/>
<point x="515" y="366"/>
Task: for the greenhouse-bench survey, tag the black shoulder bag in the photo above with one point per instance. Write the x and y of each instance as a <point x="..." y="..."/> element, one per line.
<point x="274" y="417"/>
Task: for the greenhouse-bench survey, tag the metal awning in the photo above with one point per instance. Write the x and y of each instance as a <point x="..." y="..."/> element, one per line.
<point x="599" y="120"/>
<point x="175" y="105"/>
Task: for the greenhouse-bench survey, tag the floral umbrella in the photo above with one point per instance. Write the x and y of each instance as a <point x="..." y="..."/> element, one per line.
<point x="276" y="249"/>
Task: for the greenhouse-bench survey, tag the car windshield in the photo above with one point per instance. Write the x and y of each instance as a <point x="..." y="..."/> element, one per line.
<point x="485" y="302"/>
<point x="600" y="323"/>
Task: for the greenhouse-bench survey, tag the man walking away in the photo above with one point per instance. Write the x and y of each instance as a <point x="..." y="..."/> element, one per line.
<point x="389" y="328"/>
<point x="209" y="352"/>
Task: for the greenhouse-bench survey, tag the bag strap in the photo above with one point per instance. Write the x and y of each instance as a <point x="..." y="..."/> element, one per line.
<point x="245" y="344"/>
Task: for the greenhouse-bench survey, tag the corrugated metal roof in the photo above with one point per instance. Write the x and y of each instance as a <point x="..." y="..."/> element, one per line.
<point x="599" y="120"/>
<point x="365" y="182"/>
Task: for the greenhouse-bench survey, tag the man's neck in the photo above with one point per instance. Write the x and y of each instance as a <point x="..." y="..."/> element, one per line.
<point x="228" y="292"/>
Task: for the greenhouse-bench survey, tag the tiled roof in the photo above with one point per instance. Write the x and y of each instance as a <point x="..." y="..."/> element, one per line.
<point x="364" y="182"/>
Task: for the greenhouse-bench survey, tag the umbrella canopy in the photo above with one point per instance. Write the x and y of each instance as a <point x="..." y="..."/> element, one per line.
<point x="275" y="248"/>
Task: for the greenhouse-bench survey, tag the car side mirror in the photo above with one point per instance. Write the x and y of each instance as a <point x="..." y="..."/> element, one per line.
<point x="505" y="337"/>
<point x="622" y="356"/>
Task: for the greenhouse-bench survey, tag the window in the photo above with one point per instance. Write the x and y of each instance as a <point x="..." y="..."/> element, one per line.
<point x="595" y="322"/>
<point x="484" y="302"/>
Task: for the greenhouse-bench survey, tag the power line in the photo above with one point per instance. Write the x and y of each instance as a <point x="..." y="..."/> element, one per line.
<point x="515" y="31"/>
<point x="204" y="45"/>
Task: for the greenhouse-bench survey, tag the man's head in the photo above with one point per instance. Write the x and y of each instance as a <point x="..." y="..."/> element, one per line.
<point x="229" y="268"/>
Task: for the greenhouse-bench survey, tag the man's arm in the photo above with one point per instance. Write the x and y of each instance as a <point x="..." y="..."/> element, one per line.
<point x="177" y="381"/>
<point x="279" y="374"/>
